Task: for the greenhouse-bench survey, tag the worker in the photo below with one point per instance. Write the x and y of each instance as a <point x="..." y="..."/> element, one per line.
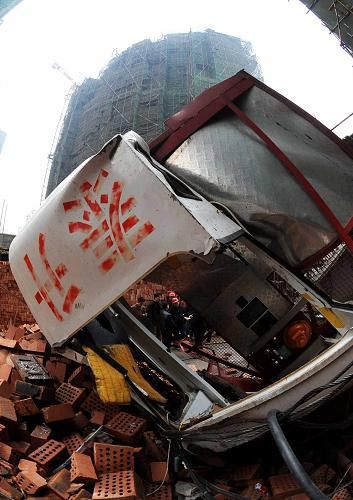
<point x="173" y="303"/>
<point x="140" y="307"/>
<point x="153" y="313"/>
<point x="199" y="329"/>
<point x="168" y="326"/>
<point x="182" y="316"/>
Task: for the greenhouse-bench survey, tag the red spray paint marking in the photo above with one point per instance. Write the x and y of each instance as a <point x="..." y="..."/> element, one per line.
<point x="41" y="288"/>
<point x="110" y="262"/>
<point x="53" y="277"/>
<point x="61" y="270"/>
<point x="95" y="235"/>
<point x="70" y="298"/>
<point x="30" y="267"/>
<point x="103" y="247"/>
<point x="86" y="215"/>
<point x="141" y="234"/>
<point x="41" y="244"/>
<point x="93" y="205"/>
<point x="74" y="227"/>
<point x="71" y="205"/>
<point x="128" y="205"/>
<point x="100" y="179"/>
<point x="86" y="186"/>
<point x="118" y="228"/>
<point x="90" y="200"/>
<point x="38" y="297"/>
<point x="130" y="222"/>
<point x="115" y="221"/>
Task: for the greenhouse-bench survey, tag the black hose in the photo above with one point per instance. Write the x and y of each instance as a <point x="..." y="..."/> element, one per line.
<point x="291" y="460"/>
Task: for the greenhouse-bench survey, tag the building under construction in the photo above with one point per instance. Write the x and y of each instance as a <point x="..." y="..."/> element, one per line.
<point x="141" y="87"/>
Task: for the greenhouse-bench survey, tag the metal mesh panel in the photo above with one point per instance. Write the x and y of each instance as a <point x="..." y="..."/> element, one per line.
<point x="333" y="274"/>
<point x="323" y="266"/>
<point x="228" y="163"/>
<point x="221" y="348"/>
<point x="283" y="287"/>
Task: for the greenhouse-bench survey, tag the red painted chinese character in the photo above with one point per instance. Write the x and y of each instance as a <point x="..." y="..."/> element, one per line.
<point x="54" y="282"/>
<point x="110" y="237"/>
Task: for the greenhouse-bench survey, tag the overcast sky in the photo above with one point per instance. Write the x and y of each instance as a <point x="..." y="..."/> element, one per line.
<point x="298" y="56"/>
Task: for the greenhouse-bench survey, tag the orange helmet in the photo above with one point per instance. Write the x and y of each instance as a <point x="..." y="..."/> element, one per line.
<point x="297" y="335"/>
<point x="171" y="294"/>
<point x="175" y="300"/>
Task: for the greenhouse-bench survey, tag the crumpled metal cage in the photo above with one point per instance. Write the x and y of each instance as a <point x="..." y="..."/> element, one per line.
<point x="284" y="176"/>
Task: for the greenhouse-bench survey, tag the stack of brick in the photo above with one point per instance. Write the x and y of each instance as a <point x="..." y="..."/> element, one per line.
<point x="12" y="304"/>
<point x="254" y="482"/>
<point x="48" y="410"/>
<point x="169" y="278"/>
<point x="145" y="289"/>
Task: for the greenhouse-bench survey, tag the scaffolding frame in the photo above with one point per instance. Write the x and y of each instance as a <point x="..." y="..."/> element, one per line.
<point x="139" y="88"/>
<point x="337" y="16"/>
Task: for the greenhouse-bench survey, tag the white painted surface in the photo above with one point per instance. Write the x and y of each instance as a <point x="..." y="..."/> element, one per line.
<point x="162" y="223"/>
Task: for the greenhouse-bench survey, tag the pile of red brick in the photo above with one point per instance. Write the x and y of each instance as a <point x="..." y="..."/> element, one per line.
<point x="58" y="440"/>
<point x="48" y="411"/>
<point x="12" y="304"/>
<point x="249" y="482"/>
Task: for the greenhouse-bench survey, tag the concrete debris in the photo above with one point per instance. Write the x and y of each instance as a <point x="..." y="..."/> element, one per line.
<point x="58" y="440"/>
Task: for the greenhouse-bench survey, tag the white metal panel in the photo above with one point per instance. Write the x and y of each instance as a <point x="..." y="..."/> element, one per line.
<point x="107" y="225"/>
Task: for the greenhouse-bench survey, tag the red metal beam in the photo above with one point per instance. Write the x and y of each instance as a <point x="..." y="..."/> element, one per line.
<point x="225" y="88"/>
<point x="196" y="114"/>
<point x="347" y="148"/>
<point x="348" y="228"/>
<point x="295" y="172"/>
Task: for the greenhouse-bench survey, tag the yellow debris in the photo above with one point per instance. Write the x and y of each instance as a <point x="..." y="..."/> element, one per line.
<point x="111" y="385"/>
<point x="332" y="317"/>
<point x="123" y="355"/>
